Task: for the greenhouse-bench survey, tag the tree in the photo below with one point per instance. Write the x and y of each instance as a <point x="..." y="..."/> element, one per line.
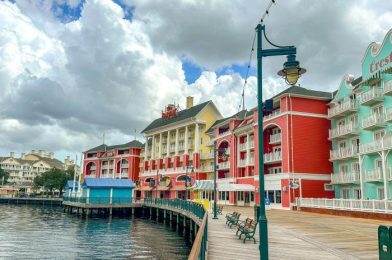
<point x="52" y="179"/>
<point x="3" y="175"/>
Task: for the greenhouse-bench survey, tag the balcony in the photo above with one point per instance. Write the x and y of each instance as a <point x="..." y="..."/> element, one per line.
<point x="345" y="177"/>
<point x="373" y="175"/>
<point x="388" y="88"/>
<point x="388" y="115"/>
<point x="275" y="139"/>
<point x="251" y="144"/>
<point x="206" y="156"/>
<point x="343" y="108"/>
<point x="93" y="168"/>
<point x="242" y="163"/>
<point x="374" y="121"/>
<point x="210" y="143"/>
<point x="164" y="140"/>
<point x="207" y="168"/>
<point x="227" y="132"/>
<point x="343" y="153"/>
<point x="243" y="146"/>
<point x="389" y="176"/>
<point x="273" y="157"/>
<point x="224" y="165"/>
<point x="343" y="131"/>
<point x="124" y="165"/>
<point x="377" y="145"/>
<point x="371" y="97"/>
<point x="272" y="115"/>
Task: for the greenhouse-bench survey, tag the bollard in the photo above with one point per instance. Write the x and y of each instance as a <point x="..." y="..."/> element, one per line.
<point x="384" y="243"/>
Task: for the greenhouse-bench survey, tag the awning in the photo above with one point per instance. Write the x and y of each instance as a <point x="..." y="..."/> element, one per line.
<point x="203" y="185"/>
<point x="235" y="187"/>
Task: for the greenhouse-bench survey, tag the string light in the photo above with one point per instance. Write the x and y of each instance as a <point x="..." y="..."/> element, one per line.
<point x="272" y="2"/>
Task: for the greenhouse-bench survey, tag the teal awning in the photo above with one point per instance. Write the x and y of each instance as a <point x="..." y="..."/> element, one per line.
<point x="203" y="185"/>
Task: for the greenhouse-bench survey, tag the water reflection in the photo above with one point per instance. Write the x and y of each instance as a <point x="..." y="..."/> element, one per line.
<point x="31" y="232"/>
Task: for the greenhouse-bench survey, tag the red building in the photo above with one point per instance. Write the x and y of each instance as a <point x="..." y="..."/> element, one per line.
<point x="117" y="161"/>
<point x="296" y="150"/>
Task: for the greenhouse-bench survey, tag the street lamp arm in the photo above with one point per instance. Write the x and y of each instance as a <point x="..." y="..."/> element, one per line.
<point x="277" y="46"/>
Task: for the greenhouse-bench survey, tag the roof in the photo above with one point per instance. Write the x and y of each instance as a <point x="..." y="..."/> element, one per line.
<point x="203" y="185"/>
<point x="70" y="184"/>
<point x="181" y="115"/>
<point x="52" y="162"/>
<point x="240" y="115"/>
<point x="356" y="81"/>
<point x="103" y="147"/>
<point x="108" y="183"/>
<point x="235" y="187"/>
<point x="304" y="92"/>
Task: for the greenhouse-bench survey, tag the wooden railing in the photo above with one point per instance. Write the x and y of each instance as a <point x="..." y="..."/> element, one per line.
<point x="199" y="247"/>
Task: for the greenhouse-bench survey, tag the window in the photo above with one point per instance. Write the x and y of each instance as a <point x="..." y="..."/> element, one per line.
<point x="354" y="120"/>
<point x="378" y="110"/>
<point x="275" y="170"/>
<point x="355" y="167"/>
<point x="357" y="194"/>
<point x="378" y="165"/>
<point x="276" y="131"/>
<point x="340" y="123"/>
<point x="343" y="168"/>
<point x="240" y="196"/>
<point x="380" y="193"/>
<point x="328" y="187"/>
<point x="345" y="193"/>
<point x="378" y="135"/>
<point x="342" y="145"/>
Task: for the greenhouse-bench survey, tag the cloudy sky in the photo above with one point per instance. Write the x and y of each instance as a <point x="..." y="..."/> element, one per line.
<point x="72" y="70"/>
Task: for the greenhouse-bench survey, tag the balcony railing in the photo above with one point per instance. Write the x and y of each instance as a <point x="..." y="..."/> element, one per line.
<point x="92" y="168"/>
<point x="377" y="145"/>
<point x="251" y="144"/>
<point x="388" y="115"/>
<point x="373" y="121"/>
<point x="343" y="130"/>
<point x="342" y="108"/>
<point x="345" y="177"/>
<point x="275" y="138"/>
<point x="373" y="175"/>
<point x="209" y="168"/>
<point x="224" y="165"/>
<point x="243" y="146"/>
<point x="224" y="133"/>
<point x="206" y="156"/>
<point x="343" y="153"/>
<point x="242" y="163"/>
<point x="272" y="115"/>
<point x="388" y="87"/>
<point x="389" y="176"/>
<point x="272" y="157"/>
<point x="210" y="143"/>
<point x="371" y="96"/>
<point x="384" y="206"/>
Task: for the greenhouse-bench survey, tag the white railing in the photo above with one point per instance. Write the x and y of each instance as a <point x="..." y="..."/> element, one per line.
<point x="92" y="168"/>
<point x="388" y="114"/>
<point x="372" y="120"/>
<point x="209" y="168"/>
<point x="343" y="153"/>
<point x="251" y="161"/>
<point x="242" y="163"/>
<point x="389" y="176"/>
<point x="272" y="115"/>
<point x="123" y="175"/>
<point x="373" y="175"/>
<point x="205" y="156"/>
<point x="164" y="140"/>
<point x="124" y="165"/>
<point x="377" y="145"/>
<point x="210" y="142"/>
<point x="224" y="165"/>
<point x="343" y="130"/>
<point x="388" y="86"/>
<point x="251" y="144"/>
<point x="275" y="138"/>
<point x="344" y="177"/>
<point x="371" y="94"/>
<point x="90" y="176"/>
<point x="349" y="104"/>
<point x="380" y="206"/>
<point x="243" y="146"/>
<point x="272" y="157"/>
<point x="224" y="133"/>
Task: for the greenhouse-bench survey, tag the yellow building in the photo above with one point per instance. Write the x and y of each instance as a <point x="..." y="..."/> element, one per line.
<point x="177" y="146"/>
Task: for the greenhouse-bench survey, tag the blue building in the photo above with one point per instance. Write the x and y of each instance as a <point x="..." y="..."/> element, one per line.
<point x="69" y="187"/>
<point x="107" y="191"/>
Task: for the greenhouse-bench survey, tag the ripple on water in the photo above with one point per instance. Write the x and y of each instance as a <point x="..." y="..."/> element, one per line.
<point x="31" y="232"/>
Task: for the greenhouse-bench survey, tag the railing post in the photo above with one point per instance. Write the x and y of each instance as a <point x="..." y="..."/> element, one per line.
<point x="373" y="205"/>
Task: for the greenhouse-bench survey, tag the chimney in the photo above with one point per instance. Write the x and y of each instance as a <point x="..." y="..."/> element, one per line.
<point x="12" y="154"/>
<point x="22" y="156"/>
<point x="189" y="102"/>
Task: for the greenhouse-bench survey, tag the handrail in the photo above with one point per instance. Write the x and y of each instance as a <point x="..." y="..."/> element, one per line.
<point x="200" y="243"/>
<point x="199" y="247"/>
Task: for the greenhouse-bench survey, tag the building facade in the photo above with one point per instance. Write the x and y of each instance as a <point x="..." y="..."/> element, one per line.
<point x="361" y="123"/>
<point x="295" y="135"/>
<point x="24" y="169"/>
<point x="116" y="161"/>
<point x="177" y="149"/>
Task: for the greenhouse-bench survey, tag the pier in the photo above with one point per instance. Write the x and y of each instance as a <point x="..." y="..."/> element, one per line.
<point x="33" y="201"/>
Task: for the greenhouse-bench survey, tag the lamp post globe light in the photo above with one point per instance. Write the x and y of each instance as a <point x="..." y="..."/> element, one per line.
<point x="291" y="72"/>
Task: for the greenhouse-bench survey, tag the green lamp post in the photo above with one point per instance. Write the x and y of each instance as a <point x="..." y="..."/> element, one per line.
<point x="291" y="72"/>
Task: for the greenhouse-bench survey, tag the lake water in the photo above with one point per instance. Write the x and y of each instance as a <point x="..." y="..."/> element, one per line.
<point x="33" y="232"/>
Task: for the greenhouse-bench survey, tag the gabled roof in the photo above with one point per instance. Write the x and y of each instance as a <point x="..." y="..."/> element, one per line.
<point x="181" y="115"/>
<point x="240" y="116"/>
<point x="104" y="147"/>
<point x="108" y="183"/>
<point x="305" y="92"/>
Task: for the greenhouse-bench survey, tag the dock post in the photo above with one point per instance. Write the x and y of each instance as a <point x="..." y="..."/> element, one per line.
<point x="190" y="230"/>
<point x="171" y="218"/>
<point x="157" y="215"/>
<point x="133" y="213"/>
<point x="164" y="216"/>
<point x="184" y="230"/>
<point x="110" y="211"/>
<point x="178" y="222"/>
<point x="150" y="213"/>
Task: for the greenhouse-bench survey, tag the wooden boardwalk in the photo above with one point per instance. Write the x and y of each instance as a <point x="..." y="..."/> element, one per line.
<point x="299" y="235"/>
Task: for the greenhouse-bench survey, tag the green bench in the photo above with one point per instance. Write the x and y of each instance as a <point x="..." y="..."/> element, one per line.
<point x="230" y="215"/>
<point x="249" y="231"/>
<point x="241" y="226"/>
<point x="233" y="220"/>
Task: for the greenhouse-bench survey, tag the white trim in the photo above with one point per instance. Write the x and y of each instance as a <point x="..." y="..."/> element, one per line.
<point x="303" y="176"/>
<point x="295" y="113"/>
